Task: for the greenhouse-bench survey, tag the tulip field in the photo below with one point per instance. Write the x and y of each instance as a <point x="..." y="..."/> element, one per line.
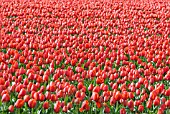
<point x="85" y="57"/>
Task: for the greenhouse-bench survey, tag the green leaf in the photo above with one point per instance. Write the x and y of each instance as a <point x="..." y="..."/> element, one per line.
<point x="66" y="99"/>
<point x="16" y="28"/>
<point x="145" y="29"/>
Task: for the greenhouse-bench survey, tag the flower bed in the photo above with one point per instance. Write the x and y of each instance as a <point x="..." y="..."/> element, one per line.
<point x="85" y="57"/>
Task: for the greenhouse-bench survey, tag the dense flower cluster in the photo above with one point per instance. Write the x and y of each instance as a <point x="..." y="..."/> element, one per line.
<point x="85" y="57"/>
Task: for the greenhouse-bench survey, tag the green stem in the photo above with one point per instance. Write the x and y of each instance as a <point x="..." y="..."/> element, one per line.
<point x="77" y="108"/>
<point x="116" y="107"/>
<point x="3" y="109"/>
<point x="149" y="111"/>
<point x="18" y="111"/>
<point x="101" y="110"/>
<point x="32" y="110"/>
<point x="43" y="111"/>
<point x="91" y="110"/>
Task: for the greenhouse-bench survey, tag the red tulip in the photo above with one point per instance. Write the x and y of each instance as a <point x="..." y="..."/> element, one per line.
<point x="26" y="98"/>
<point x="65" y="109"/>
<point x="41" y="97"/>
<point x="149" y="103"/>
<point x="141" y="108"/>
<point x="99" y="80"/>
<point x="106" y="109"/>
<point x="53" y="97"/>
<point x="35" y="96"/>
<point x="130" y="104"/>
<point x="57" y="106"/>
<point x="48" y="95"/>
<point x="112" y="100"/>
<point x="32" y="103"/>
<point x="156" y="101"/>
<point x="80" y="85"/>
<point x="2" y="81"/>
<point x="5" y="98"/>
<point x="96" y="89"/>
<point x="90" y="88"/>
<point x="19" y="103"/>
<point x="46" y="105"/>
<point x="22" y="93"/>
<point x="122" y="111"/>
<point x="11" y="108"/>
<point x="167" y="103"/>
<point x="95" y="96"/>
<point x="69" y="105"/>
<point x="1" y="88"/>
<point x="84" y="106"/>
<point x="160" y="111"/>
<point x="118" y="96"/>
